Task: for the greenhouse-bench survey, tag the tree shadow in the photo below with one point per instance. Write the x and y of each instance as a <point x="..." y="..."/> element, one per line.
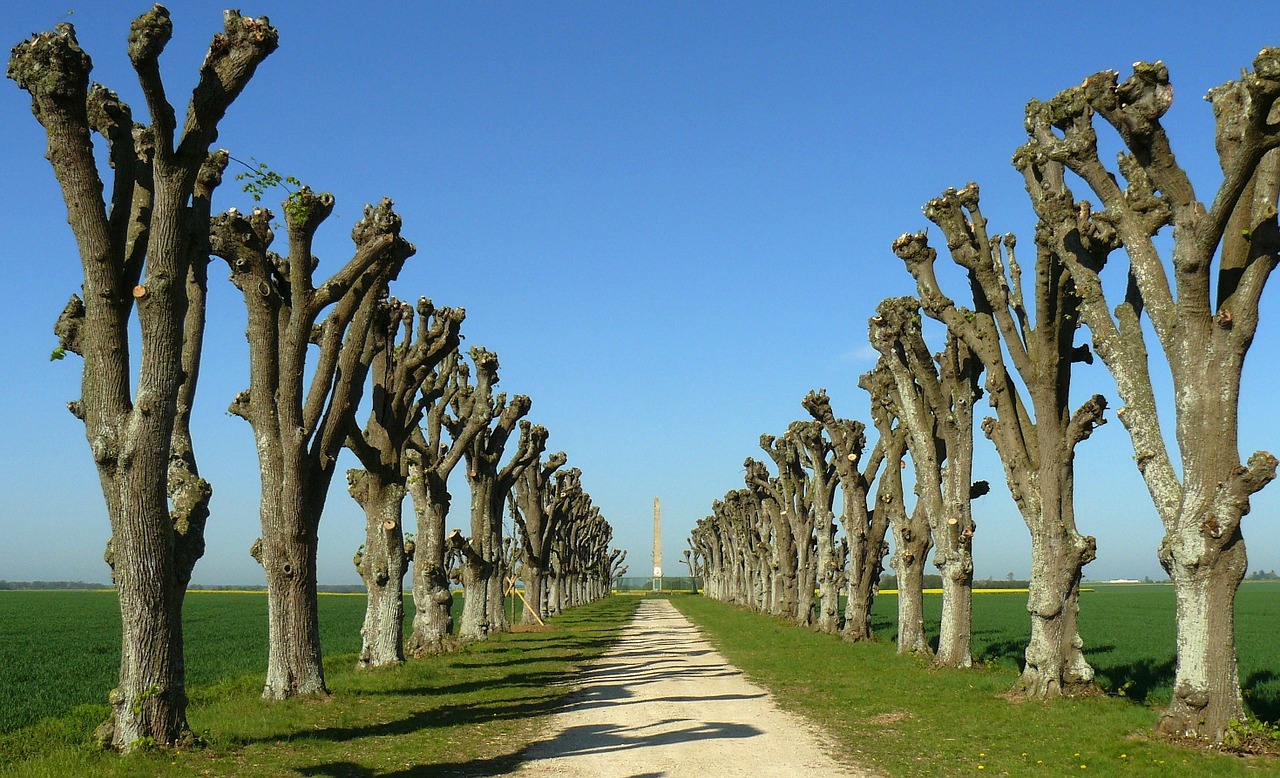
<point x="1262" y="695"/>
<point x="1138" y="679"/>
<point x="1010" y="652"/>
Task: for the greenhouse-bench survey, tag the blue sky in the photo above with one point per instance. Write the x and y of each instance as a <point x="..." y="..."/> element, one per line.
<point x="670" y="220"/>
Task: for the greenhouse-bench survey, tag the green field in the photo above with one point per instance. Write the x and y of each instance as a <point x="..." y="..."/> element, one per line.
<point x="1128" y="633"/>
<point x="60" y="649"/>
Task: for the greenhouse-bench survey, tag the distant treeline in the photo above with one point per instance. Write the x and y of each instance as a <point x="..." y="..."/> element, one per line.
<point x="51" y="585"/>
<point x="935" y="582"/>
<point x="14" y="585"/>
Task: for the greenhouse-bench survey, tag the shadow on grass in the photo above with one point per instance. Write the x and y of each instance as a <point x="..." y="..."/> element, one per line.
<point x="1262" y="695"/>
<point x="1136" y="680"/>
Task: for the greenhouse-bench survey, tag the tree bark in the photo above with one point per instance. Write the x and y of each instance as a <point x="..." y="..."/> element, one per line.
<point x="382" y="565"/>
<point x="432" y="597"/>
<point x="913" y="542"/>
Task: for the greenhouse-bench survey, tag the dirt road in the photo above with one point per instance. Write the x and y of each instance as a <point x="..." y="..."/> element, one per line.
<point x="663" y="703"/>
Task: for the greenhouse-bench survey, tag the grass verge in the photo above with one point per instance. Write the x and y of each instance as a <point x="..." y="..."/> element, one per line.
<point x="897" y="716"/>
<point x="464" y="713"/>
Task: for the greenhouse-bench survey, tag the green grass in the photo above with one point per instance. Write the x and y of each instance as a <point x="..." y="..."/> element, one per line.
<point x="1128" y="633"/>
<point x="463" y="712"/>
<point x="897" y="716"/>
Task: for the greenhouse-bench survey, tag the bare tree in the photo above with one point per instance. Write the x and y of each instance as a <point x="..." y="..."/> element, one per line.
<point x="936" y="403"/>
<point x="816" y="455"/>
<point x="145" y="250"/>
<point x="403" y="360"/>
<point x="300" y="430"/>
<point x="864" y="526"/>
<point x="792" y="493"/>
<point x="483" y="573"/>
<point x="438" y="447"/>
<point x="1035" y="435"/>
<point x="1204" y="320"/>
<point x="541" y="501"/>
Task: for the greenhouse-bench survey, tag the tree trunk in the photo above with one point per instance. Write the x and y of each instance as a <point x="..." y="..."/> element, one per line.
<point x="477" y="565"/>
<point x="432" y="598"/>
<point x="150" y="703"/>
<point x="955" y="631"/>
<point x="828" y="574"/>
<point x="913" y="544"/>
<point x="1206" y="690"/>
<point x="1055" y="664"/>
<point x="534" y="579"/>
<point x="287" y="553"/>
<point x="382" y="565"/>
<point x="866" y="563"/>
<point x="496" y="588"/>
<point x="475" y="577"/>
<point x="293" y="657"/>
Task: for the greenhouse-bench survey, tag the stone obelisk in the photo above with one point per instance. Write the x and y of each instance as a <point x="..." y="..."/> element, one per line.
<point x="657" y="544"/>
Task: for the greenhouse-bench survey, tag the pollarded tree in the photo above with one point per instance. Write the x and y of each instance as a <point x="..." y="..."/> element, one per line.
<point x="790" y="489"/>
<point x="438" y="447"/>
<point x="403" y="363"/>
<point x="483" y="573"/>
<point x="936" y="403"/>
<point x="816" y="455"/>
<point x="1036" y="435"/>
<point x="300" y="429"/>
<point x="1204" y="319"/>
<point x="541" y="500"/>
<point x="145" y="250"/>
<point x="912" y="538"/>
<point x="774" y="530"/>
<point x="864" y="526"/>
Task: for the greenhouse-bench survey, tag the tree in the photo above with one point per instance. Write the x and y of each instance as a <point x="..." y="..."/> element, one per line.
<point x="816" y="455"/>
<point x="483" y="572"/>
<point x="1204" y="320"/>
<point x="759" y="511"/>
<point x="543" y="499"/>
<point x="403" y="362"/>
<point x="300" y="429"/>
<point x="434" y="456"/>
<point x="791" y="491"/>
<point x="864" y="527"/>
<point x="145" y="251"/>
<point x="1036" y="447"/>
<point x="936" y="403"/>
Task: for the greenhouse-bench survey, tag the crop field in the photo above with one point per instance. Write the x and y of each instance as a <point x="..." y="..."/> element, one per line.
<point x="60" y="649"/>
<point x="1128" y="633"/>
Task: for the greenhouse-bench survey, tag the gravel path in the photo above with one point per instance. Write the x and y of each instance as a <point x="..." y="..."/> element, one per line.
<point x="662" y="702"/>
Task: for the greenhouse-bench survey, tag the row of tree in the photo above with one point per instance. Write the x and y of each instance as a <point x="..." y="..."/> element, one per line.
<point x="315" y="346"/>
<point x="771" y="544"/>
